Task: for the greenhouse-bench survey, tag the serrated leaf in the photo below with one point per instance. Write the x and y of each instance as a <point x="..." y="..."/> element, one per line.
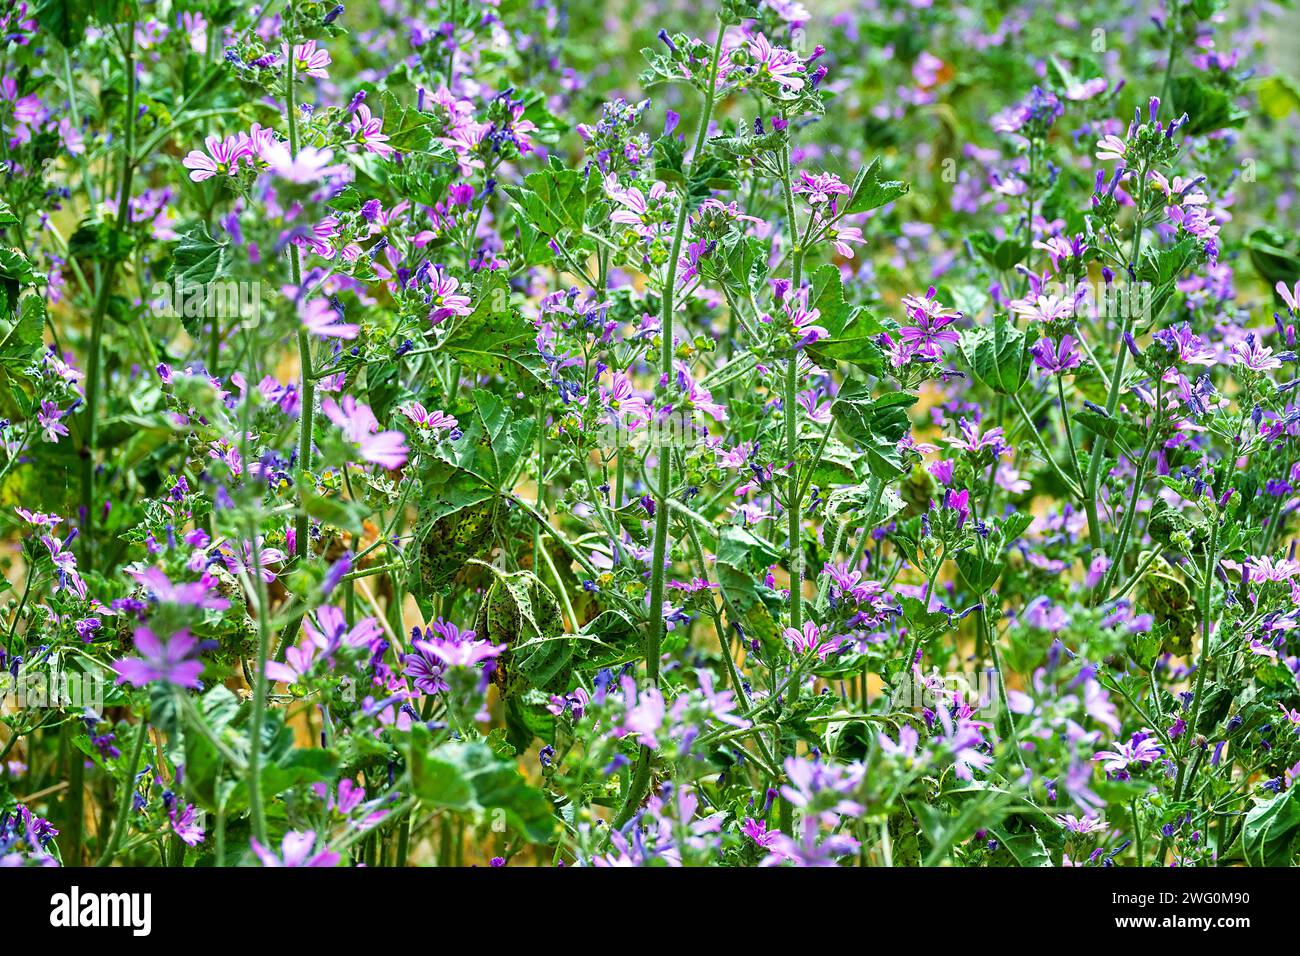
<point x="871" y="191"/>
<point x="468" y="776"/>
<point x="197" y="258"/>
<point x="496" y="338"/>
<point x="877" y="425"/>
<point x="999" y="356"/>
<point x="1272" y="830"/>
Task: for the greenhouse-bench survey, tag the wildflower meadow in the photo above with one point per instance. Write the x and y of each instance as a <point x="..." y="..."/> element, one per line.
<point x="640" y="433"/>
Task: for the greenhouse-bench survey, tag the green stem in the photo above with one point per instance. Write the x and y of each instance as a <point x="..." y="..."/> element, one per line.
<point x="308" y="387"/>
<point x="1203" y="662"/>
<point x="126" y="788"/>
<point x="1121" y="353"/>
<point x="1037" y="436"/>
<point x="654" y="633"/>
<point x="1130" y="515"/>
<point x="261" y="687"/>
<point x="75" y="810"/>
<point x="94" y="370"/>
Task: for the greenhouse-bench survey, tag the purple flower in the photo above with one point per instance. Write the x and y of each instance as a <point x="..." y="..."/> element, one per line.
<point x="48" y="418"/>
<point x="1141" y="750"/>
<point x="808" y="850"/>
<point x="1046" y="616"/>
<point x="191" y="593"/>
<point x="469" y="653"/>
<point x="817" y="786"/>
<point x="757" y="831"/>
<point x="297" y="849"/>
<point x="321" y="318"/>
<point x="426" y="669"/>
<point x="386" y="449"/>
<point x="168" y="662"/>
<point x="1056" y="357"/>
<point x="184" y="824"/>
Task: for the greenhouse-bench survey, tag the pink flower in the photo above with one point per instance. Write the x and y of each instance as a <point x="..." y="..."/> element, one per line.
<point x="184" y="825"/>
<point x="820" y="187"/>
<point x="167" y="662"/>
<point x="321" y="318"/>
<point x="811" y="638"/>
<point x="1111" y="147"/>
<point x="803" y="329"/>
<point x="840" y="239"/>
<point x="297" y="849"/>
<point x="1254" y="355"/>
<point x="72" y="139"/>
<point x="368" y="131"/>
<point x="1141" y="750"/>
<point x="1290" y="296"/>
<point x="307" y="59"/>
<point x="767" y="62"/>
<point x="638" y="209"/>
<point x="426" y="420"/>
<point x="297" y="663"/>
<point x="222" y="157"/>
<point x="189" y="594"/>
<point x="387" y="449"/>
<point x="1086" y="89"/>
<point x="442" y="298"/>
<point x="310" y="165"/>
<point x="643" y="715"/>
<point x="460" y="653"/>
<point x="1044" y="308"/>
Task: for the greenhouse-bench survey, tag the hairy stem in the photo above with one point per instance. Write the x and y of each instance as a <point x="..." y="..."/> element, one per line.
<point x="655" y="629"/>
<point x="94" y="369"/>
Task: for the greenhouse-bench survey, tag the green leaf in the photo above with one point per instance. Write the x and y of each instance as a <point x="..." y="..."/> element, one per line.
<point x="24" y="339"/>
<point x="520" y="611"/>
<point x="496" y="338"/>
<point x="1025" y="846"/>
<point x="407" y="128"/>
<point x="1272" y="831"/>
<point x="870" y="191"/>
<point x="553" y="199"/>
<point x="492" y="444"/>
<point x="980" y="572"/>
<point x="197" y="258"/>
<point x="1208" y="109"/>
<point x="469" y="777"/>
<point x="527" y="719"/>
<point x="851" y="330"/>
<point x="1003" y="255"/>
<point x="741" y="558"/>
<point x="999" y="357"/>
<point x="100" y="240"/>
<point x="1275" y="254"/>
<point x="877" y="425"/>
<point x="65" y="20"/>
<point x="462" y="484"/>
<point x="339" y="512"/>
<point x="1278" y="96"/>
